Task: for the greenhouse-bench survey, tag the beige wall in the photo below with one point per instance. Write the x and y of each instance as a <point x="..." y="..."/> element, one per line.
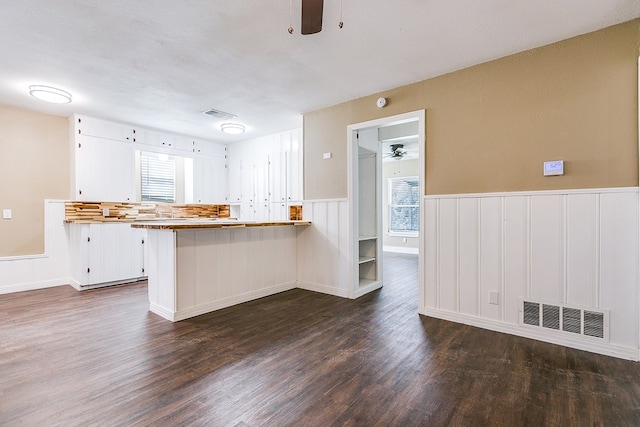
<point x="34" y="165"/>
<point x="490" y="127"/>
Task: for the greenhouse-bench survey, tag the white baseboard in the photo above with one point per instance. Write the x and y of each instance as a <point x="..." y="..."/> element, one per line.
<point x="604" y="348"/>
<point x="35" y="285"/>
<point x="323" y="289"/>
<point x="224" y="303"/>
<point x="400" y="250"/>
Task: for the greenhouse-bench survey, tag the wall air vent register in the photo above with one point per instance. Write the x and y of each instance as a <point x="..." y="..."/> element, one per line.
<point x="589" y="323"/>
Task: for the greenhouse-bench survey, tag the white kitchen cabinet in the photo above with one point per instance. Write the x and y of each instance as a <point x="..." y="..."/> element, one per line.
<point x="210" y="180"/>
<point x="104" y="169"/>
<point x="209" y="148"/>
<point x="89" y="126"/>
<point x="279" y="211"/>
<point x="234" y="176"/>
<point x="248" y="211"/>
<point x="247" y="179"/>
<point x="266" y="171"/>
<point x="294" y="166"/>
<point x="104" y="254"/>
<point x="278" y="171"/>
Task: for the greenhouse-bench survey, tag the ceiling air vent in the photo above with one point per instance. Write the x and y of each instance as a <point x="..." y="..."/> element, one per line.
<point x="584" y="322"/>
<point x="219" y="114"/>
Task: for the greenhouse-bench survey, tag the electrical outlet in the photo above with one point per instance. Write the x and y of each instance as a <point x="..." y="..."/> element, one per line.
<point x="6" y="214"/>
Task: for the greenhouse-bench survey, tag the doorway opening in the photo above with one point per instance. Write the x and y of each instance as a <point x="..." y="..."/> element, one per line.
<point x="386" y="194"/>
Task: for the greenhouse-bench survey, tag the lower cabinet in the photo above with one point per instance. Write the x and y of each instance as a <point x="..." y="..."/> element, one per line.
<point x="104" y="254"/>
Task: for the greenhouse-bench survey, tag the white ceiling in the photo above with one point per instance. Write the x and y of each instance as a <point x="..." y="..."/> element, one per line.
<point x="160" y="63"/>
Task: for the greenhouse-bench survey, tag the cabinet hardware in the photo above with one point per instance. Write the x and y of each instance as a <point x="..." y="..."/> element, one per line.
<point x="79" y="131"/>
<point x="143" y="270"/>
<point x="143" y="241"/>
<point x="79" y="120"/>
<point x="79" y="145"/>
<point x="88" y="270"/>
<point x="80" y="192"/>
<point x="88" y="239"/>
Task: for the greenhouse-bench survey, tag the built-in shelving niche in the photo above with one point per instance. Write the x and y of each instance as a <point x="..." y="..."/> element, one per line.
<point x="369" y="265"/>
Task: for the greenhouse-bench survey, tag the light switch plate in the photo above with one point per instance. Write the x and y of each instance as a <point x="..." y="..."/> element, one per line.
<point x="493" y="297"/>
<point x="326" y="155"/>
<point x="555" y="167"/>
<point x="6" y="213"/>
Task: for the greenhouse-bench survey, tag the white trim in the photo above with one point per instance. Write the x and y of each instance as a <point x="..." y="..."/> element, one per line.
<point x="577" y="343"/>
<point x="534" y="193"/>
<point x="400" y="250"/>
<point x="341" y="199"/>
<point x="352" y="157"/>
<point x="227" y="302"/>
<point x="23" y="257"/>
<point x="32" y="286"/>
<point x="363" y="290"/>
<point x="323" y="289"/>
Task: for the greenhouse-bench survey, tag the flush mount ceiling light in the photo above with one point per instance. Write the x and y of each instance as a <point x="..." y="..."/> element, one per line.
<point x="232" y="128"/>
<point x="50" y="94"/>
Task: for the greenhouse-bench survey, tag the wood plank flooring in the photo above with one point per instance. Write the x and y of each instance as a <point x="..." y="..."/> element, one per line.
<point x="298" y="358"/>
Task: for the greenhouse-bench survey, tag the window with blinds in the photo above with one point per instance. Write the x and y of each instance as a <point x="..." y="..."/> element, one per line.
<point x="404" y="212"/>
<point x="157" y="177"/>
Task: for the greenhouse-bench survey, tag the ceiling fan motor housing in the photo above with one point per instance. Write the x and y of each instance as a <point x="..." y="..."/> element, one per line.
<point x="311" y="16"/>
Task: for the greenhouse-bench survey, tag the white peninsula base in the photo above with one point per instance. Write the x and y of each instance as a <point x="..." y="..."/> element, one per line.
<point x="193" y="271"/>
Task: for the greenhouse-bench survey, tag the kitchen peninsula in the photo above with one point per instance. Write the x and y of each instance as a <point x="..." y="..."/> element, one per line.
<point x="198" y="266"/>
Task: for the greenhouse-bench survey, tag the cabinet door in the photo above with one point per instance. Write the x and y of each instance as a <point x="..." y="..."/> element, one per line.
<point x="95" y="273"/>
<point x="247" y="212"/>
<point x="210" y="179"/>
<point x="247" y="170"/>
<point x="88" y="126"/>
<point x="210" y="148"/>
<point x="140" y="251"/>
<point x="234" y="162"/>
<point x="261" y="183"/>
<point x="104" y="170"/>
<point x="278" y="212"/>
<point x="294" y="168"/>
<point x="184" y="144"/>
<point x="278" y="172"/>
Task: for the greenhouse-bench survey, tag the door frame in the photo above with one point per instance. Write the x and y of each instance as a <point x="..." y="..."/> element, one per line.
<point x="352" y="174"/>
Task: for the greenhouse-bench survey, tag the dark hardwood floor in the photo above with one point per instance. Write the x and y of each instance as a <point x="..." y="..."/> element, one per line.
<point x="298" y="358"/>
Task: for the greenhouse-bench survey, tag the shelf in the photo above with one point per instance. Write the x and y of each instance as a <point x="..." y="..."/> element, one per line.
<point x="364" y="238"/>
<point x="363" y="259"/>
<point x="367" y="282"/>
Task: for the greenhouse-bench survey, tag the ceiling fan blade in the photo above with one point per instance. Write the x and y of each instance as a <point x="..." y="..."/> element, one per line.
<point x="311" y="16"/>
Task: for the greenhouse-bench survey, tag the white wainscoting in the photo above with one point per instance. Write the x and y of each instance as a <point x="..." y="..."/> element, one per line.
<point x="192" y="272"/>
<point x="323" y="254"/>
<point x="22" y="273"/>
<point x="573" y="247"/>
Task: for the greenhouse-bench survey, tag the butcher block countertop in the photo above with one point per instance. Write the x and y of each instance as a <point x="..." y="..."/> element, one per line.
<point x="187" y="224"/>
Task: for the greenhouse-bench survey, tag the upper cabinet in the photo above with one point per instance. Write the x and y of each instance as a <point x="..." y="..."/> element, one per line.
<point x="265" y="175"/>
<point x="104" y="170"/>
<point x="88" y="126"/>
<point x="103" y="163"/>
<point x="210" y="180"/>
<point x="208" y="148"/>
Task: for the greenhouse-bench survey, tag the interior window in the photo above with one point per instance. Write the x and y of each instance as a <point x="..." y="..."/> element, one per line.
<point x="157" y="177"/>
<point x="404" y="206"/>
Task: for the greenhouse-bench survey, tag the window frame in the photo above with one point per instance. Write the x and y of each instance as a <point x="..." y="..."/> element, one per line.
<point x="391" y="206"/>
<point x="145" y="156"/>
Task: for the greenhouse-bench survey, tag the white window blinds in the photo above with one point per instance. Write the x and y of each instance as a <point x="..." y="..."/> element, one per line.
<point x="404" y="206"/>
<point x="158" y="177"/>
